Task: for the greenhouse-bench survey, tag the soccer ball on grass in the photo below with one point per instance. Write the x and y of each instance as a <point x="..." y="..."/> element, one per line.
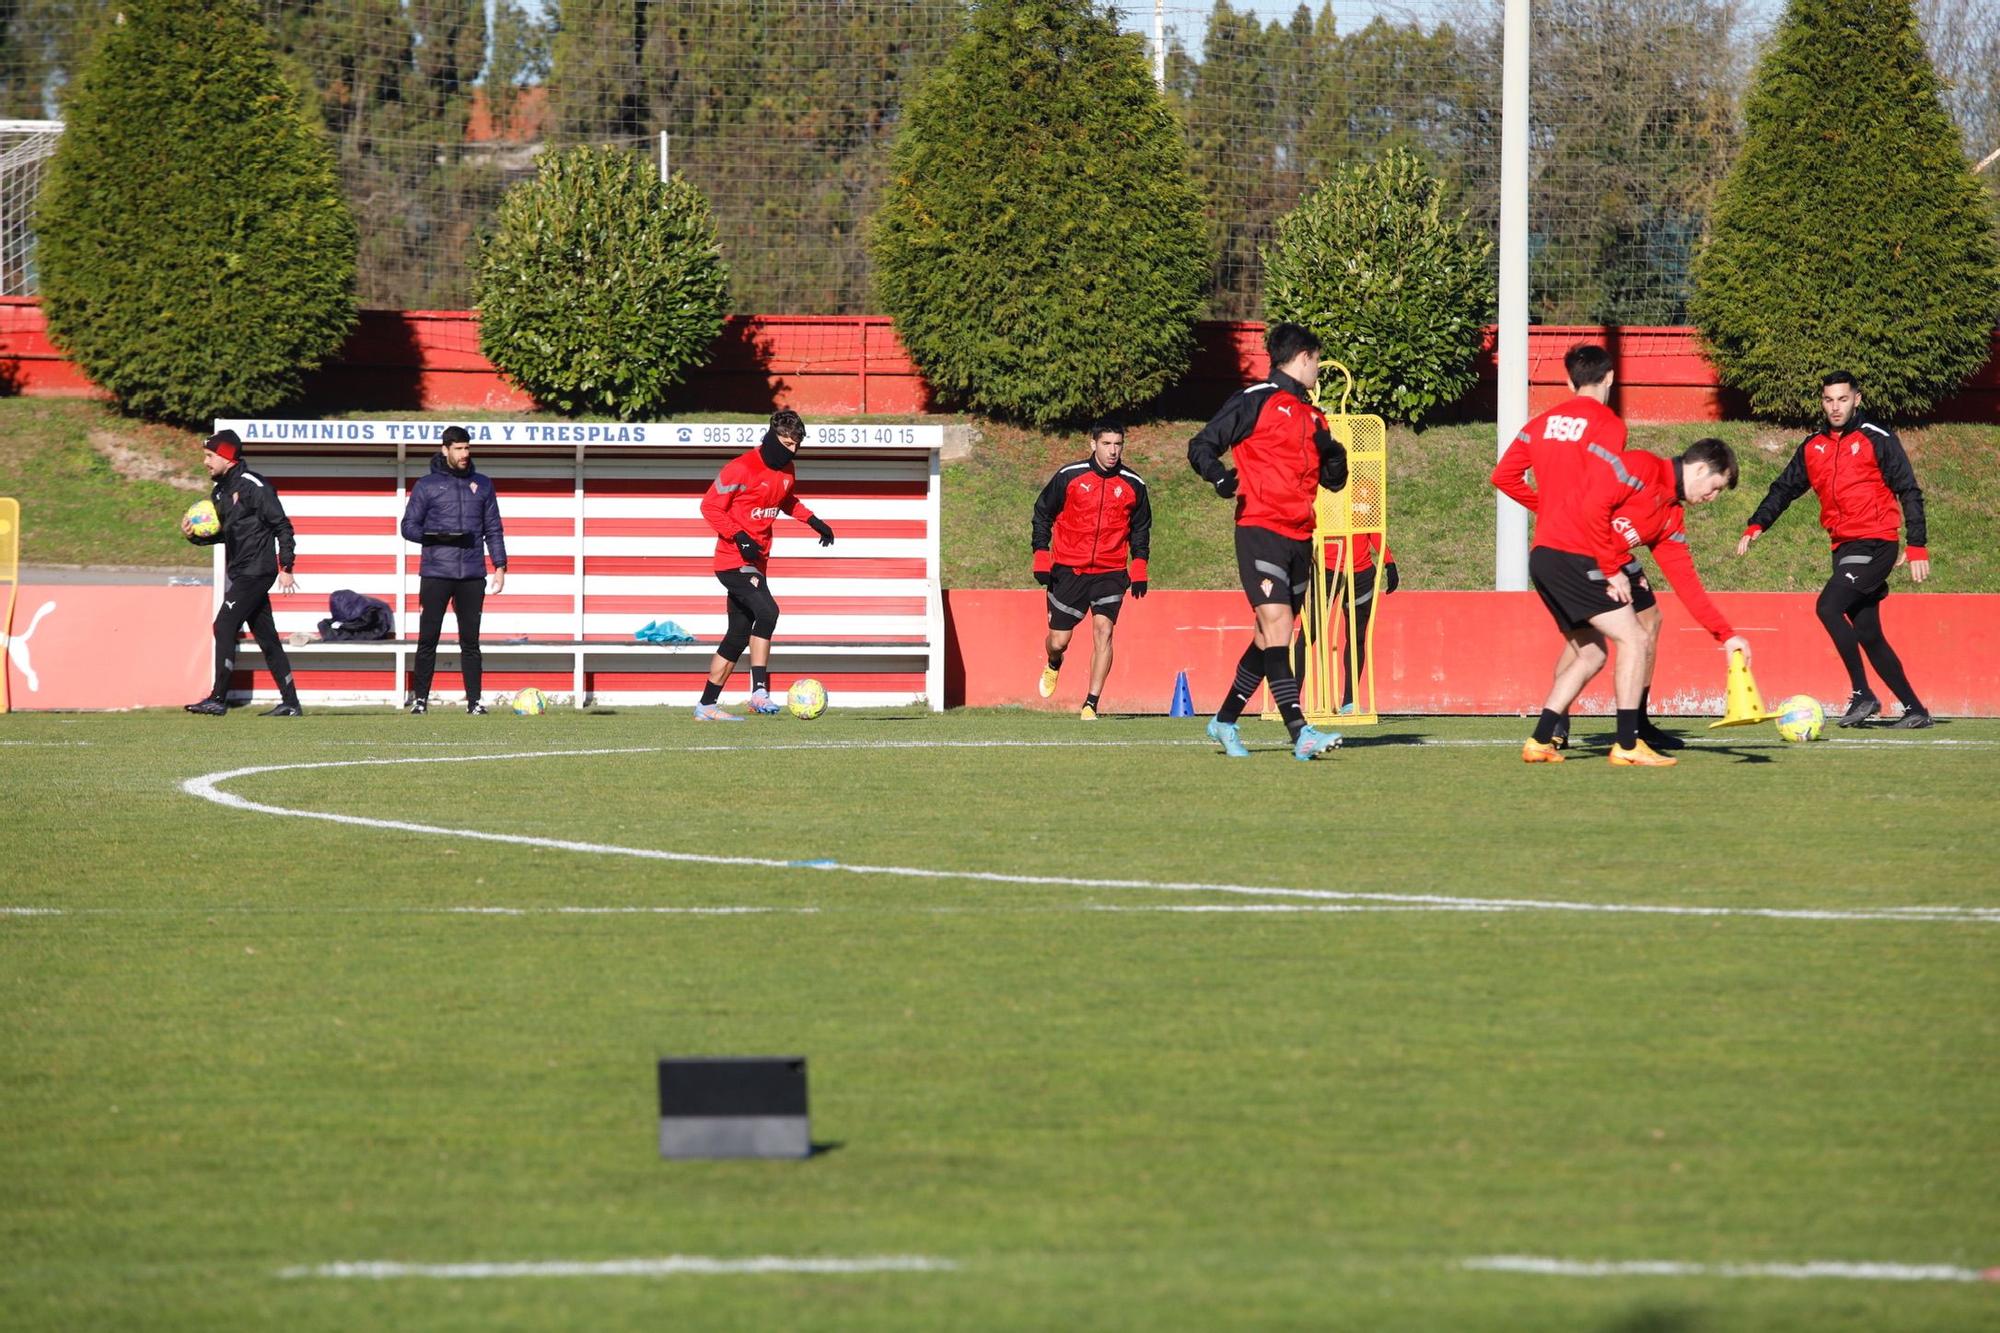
<point x="530" y="702"/>
<point x="806" y="699"/>
<point x="201" y="519"/>
<point x="1800" y="718"/>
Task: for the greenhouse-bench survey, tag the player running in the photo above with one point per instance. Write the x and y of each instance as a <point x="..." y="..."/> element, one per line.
<point x="258" y="551"/>
<point x="1089" y="517"/>
<point x="1284" y="454"/>
<point x="1656" y="519"/>
<point x="742" y="506"/>
<point x="1578" y="563"/>
<point x="1866" y="487"/>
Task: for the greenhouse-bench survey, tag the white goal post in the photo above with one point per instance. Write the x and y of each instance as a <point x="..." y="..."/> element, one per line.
<point x="25" y="148"/>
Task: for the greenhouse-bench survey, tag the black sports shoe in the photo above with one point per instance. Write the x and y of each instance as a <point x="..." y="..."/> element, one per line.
<point x="419" y="707"/>
<point x="283" y="710"/>
<point x="1660" y="740"/>
<point x="208" y="707"/>
<point x="1913" y="719"/>
<point x="1861" y="705"/>
<point x="476" y="708"/>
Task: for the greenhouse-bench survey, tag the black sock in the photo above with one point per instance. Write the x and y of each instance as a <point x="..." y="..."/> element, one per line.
<point x="710" y="692"/>
<point x="1055" y="658"/>
<point x="1249" y="675"/>
<point x="760" y="678"/>
<point x="1548" y="725"/>
<point x="1628" y="727"/>
<point x="1644" y="696"/>
<point x="1284" y="688"/>
<point x="1090" y="702"/>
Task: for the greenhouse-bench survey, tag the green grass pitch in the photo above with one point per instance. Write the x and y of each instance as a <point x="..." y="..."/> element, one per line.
<point x="1086" y="1062"/>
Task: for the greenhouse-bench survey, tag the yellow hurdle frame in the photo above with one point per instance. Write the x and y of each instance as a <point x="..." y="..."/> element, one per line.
<point x="1360" y="508"/>
<point x="10" y="574"/>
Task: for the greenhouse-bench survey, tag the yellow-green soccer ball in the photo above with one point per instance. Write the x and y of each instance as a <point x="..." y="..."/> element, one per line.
<point x="1800" y="718"/>
<point x="806" y="699"/>
<point x="530" y="702"/>
<point x="202" y="520"/>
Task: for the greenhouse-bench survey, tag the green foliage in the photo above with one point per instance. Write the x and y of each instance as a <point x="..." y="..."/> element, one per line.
<point x="1040" y="244"/>
<point x="197" y="258"/>
<point x="601" y="285"/>
<point x="1851" y="233"/>
<point x="1391" y="281"/>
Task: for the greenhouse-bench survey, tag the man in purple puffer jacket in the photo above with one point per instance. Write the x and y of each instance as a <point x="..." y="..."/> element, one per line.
<point x="452" y="511"/>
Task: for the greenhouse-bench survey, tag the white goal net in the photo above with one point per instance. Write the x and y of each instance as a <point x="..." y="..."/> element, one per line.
<point x="25" y="147"/>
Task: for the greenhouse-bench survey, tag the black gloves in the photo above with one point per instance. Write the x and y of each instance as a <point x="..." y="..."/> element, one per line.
<point x="1390" y="580"/>
<point x="1045" y="577"/>
<point x="1226" y="488"/>
<point x="748" y="547"/>
<point x="1139" y="588"/>
<point x="818" y="524"/>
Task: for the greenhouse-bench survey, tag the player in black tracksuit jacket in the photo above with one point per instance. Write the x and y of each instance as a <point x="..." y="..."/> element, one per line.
<point x="258" y="550"/>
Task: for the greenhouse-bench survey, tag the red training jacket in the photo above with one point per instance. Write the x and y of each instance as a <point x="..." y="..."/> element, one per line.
<point x="1576" y="451"/>
<point x="748" y="496"/>
<point x="1089" y="519"/>
<point x="1366" y="544"/>
<point x="1867" y="489"/>
<point x="1283" y="452"/>
<point x="1656" y="519"/>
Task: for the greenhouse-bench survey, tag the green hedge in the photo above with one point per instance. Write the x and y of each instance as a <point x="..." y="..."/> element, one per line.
<point x="601" y="286"/>
<point x="196" y="256"/>
<point x="1040" y="244"/>
<point x="1851" y="233"/>
<point x="1391" y="281"/>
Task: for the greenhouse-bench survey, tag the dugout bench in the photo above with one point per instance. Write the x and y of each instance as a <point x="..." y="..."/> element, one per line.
<point x="604" y="535"/>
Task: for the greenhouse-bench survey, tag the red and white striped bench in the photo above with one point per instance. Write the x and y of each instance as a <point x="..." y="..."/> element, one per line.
<point x="604" y="534"/>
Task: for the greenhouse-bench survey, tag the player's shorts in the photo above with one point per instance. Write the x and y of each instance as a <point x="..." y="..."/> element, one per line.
<point x="1072" y="596"/>
<point x="1860" y="574"/>
<point x="1274" y="569"/>
<point x="1574" y="590"/>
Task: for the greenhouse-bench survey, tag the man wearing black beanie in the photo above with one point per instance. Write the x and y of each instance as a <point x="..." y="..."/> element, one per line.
<point x="258" y="551"/>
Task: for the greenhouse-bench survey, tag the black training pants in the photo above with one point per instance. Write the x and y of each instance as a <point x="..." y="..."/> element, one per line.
<point x="467" y="597"/>
<point x="1850" y="609"/>
<point x="247" y="601"/>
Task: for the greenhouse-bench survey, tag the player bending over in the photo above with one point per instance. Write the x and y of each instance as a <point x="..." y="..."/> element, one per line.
<point x="1284" y="454"/>
<point x="1578" y="563"/>
<point x="1866" y="486"/>
<point x="1088" y="518"/>
<point x="742" y="506"/>
<point x="1656" y="519"/>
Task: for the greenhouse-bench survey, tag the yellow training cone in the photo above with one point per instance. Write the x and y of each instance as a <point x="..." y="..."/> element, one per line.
<point x="1745" y="704"/>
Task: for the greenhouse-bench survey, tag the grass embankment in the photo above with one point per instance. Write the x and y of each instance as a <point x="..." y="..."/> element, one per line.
<point x="98" y="489"/>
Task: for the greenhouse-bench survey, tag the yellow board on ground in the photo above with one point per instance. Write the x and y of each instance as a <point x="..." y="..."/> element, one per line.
<point x="1357" y="511"/>
<point x="10" y="580"/>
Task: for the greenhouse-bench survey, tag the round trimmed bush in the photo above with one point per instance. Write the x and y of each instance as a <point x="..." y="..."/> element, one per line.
<point x="1397" y="288"/>
<point x="196" y="256"/>
<point x="1851" y="233"/>
<point x="601" y="286"/>
<point x="1040" y="243"/>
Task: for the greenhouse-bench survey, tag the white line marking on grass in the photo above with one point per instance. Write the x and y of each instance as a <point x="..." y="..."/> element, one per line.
<point x="673" y="1265"/>
<point x="208" y="787"/>
<point x="31" y="911"/>
<point x="615" y="911"/>
<point x="1521" y="1263"/>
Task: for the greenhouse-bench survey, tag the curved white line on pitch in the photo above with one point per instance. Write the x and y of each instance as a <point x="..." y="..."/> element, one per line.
<point x="1861" y="1272"/>
<point x="208" y="787"/>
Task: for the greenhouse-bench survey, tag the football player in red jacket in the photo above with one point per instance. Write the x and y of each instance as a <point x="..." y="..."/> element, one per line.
<point x="1655" y="518"/>
<point x="1578" y="563"/>
<point x="1093" y="519"/>
<point x="1867" y="491"/>
<point x="743" y="506"/>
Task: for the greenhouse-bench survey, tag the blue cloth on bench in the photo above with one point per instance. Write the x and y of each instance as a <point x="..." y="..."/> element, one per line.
<point x="657" y="631"/>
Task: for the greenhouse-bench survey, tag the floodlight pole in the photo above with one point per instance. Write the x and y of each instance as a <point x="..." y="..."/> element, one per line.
<point x="1160" y="43"/>
<point x="1510" y="529"/>
<point x="666" y="164"/>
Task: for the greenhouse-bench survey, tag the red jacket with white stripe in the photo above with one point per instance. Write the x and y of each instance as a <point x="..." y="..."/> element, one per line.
<point x="1090" y="519"/>
<point x="1867" y="489"/>
<point x="1656" y="519"/>
<point x="1576" y="451"/>
<point x="1283" y="453"/>
<point x="747" y="497"/>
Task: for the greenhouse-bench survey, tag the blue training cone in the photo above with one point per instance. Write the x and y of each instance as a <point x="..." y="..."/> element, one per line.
<point x="1183" y="704"/>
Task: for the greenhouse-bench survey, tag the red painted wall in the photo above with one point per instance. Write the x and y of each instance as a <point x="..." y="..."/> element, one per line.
<point x="1437" y="652"/>
<point x="852" y="364"/>
<point x="1469" y="652"/>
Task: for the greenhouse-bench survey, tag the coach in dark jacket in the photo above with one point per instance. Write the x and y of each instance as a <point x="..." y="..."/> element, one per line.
<point x="453" y="512"/>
